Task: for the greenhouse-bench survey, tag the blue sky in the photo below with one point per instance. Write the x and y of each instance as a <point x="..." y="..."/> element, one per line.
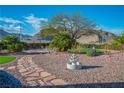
<point x="30" y="18"/>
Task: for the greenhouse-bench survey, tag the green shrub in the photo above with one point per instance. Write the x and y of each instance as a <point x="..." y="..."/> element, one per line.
<point x="10" y="39"/>
<point x="13" y="44"/>
<point x="61" y="42"/>
<point x="78" y="50"/>
<point x="91" y="52"/>
<point x="18" y="47"/>
<point x="11" y="47"/>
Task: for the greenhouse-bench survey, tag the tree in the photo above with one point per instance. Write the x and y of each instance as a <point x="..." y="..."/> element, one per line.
<point x="13" y="44"/>
<point x="119" y="41"/>
<point x="48" y="31"/>
<point x="10" y="39"/>
<point x="61" y="41"/>
<point x="74" y="24"/>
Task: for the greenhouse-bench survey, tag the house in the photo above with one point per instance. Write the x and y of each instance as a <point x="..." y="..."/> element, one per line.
<point x="35" y="39"/>
<point x="96" y="37"/>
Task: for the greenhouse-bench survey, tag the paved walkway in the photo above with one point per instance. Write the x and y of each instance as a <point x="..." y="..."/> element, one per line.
<point x="31" y="75"/>
<point x="35" y="76"/>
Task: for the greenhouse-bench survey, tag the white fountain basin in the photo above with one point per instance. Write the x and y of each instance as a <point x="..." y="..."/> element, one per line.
<point x="73" y="66"/>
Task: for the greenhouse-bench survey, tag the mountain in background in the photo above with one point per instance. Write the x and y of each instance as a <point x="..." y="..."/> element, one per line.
<point x="5" y="33"/>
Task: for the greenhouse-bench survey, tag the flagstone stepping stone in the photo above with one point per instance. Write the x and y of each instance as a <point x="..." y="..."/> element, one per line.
<point x="48" y="84"/>
<point x="32" y="83"/>
<point x="39" y="69"/>
<point x="31" y="78"/>
<point x="49" y="78"/>
<point x="22" y="70"/>
<point x="35" y="74"/>
<point x="58" y="82"/>
<point x="41" y="83"/>
<point x="1" y="68"/>
<point x="27" y="72"/>
<point x="11" y="68"/>
<point x="44" y="74"/>
<point x="20" y="67"/>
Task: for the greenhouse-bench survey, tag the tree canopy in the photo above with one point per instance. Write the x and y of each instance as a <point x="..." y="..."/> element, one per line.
<point x="61" y="41"/>
<point x="119" y="41"/>
<point x="74" y="24"/>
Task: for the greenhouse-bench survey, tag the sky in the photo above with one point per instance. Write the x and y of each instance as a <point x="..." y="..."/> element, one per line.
<point x="29" y="18"/>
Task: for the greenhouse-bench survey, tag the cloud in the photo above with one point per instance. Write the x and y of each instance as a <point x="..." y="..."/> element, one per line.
<point x="11" y="28"/>
<point x="10" y="20"/>
<point x="36" y="22"/>
<point x="10" y="24"/>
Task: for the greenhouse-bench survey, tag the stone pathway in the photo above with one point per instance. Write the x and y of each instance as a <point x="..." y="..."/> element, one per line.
<point x="34" y="76"/>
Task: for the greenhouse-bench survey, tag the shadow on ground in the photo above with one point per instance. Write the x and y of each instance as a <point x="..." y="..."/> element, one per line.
<point x="89" y="67"/>
<point x="9" y="81"/>
<point x="91" y="85"/>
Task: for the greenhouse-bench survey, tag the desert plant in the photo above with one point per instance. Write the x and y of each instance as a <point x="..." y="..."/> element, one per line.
<point x="91" y="52"/>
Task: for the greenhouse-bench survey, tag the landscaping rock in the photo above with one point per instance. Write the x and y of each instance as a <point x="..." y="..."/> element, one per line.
<point x="11" y="68"/>
<point x="49" y="78"/>
<point x="31" y="78"/>
<point x="44" y="74"/>
<point x="35" y="74"/>
<point x="58" y="82"/>
<point x="32" y="83"/>
<point x="41" y="83"/>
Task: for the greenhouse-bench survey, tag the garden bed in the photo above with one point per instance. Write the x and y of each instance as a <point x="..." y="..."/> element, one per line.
<point x="99" y="69"/>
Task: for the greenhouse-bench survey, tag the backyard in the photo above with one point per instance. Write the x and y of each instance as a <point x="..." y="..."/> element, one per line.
<point x="49" y="70"/>
<point x="68" y="51"/>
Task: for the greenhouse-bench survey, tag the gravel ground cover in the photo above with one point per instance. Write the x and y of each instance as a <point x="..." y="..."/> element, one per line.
<point x="103" y="69"/>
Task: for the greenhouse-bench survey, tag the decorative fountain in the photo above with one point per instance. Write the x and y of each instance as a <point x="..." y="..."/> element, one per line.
<point x="74" y="63"/>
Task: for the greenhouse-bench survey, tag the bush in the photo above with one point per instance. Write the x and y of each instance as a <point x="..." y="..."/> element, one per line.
<point x="1" y="46"/>
<point x="85" y="50"/>
<point x="10" y="40"/>
<point x="13" y="44"/>
<point x="18" y="47"/>
<point x="78" y="50"/>
<point x="91" y="52"/>
<point x="62" y="41"/>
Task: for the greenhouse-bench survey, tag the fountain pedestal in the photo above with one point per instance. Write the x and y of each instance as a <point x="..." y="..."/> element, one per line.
<point x="74" y="63"/>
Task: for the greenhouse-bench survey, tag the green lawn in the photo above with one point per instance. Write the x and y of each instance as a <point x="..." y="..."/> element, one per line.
<point x="83" y="50"/>
<point x="6" y="59"/>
